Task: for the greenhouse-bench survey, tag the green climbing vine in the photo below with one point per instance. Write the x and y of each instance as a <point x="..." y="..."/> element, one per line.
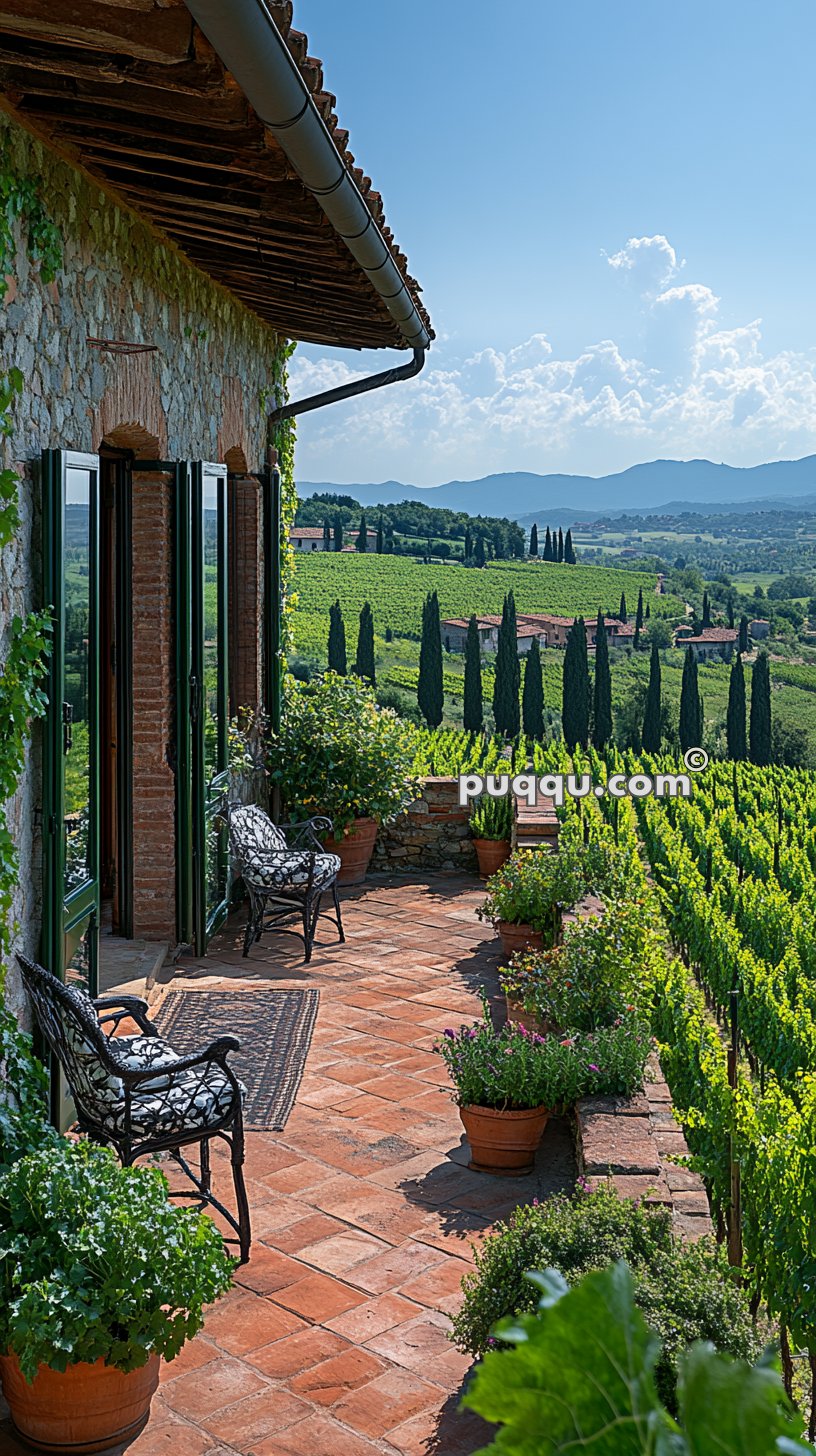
<point x="21" y="676"/>
<point x="284" y="442"/>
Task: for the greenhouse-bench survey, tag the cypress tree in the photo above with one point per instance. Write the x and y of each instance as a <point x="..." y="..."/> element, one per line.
<point x="548" y="551"/>
<point x="622" y="614"/>
<point x="364" y="666"/>
<point x="760" y="735"/>
<point x="560" y="548"/>
<point x="532" y="698"/>
<point x="731" y="612"/>
<point x="473" y="715"/>
<point x="569" y="549"/>
<point x="575" y="697"/>
<point x="648" y="611"/>
<point x="479" y="551"/>
<point x="468" y="548"/>
<point x="639" y="612"/>
<point x="380" y="537"/>
<point x="742" y="641"/>
<point x="337" y="640"/>
<point x="691" y="705"/>
<point x="706" y="619"/>
<point x="735" y="718"/>
<point x="338" y="533"/>
<point x="430" y="694"/>
<point x="508" y="673"/>
<point x="602" y="701"/>
<point x="534" y="539"/>
<point x="651" y="735"/>
<point x="362" y="534"/>
<point x="327" y="535"/>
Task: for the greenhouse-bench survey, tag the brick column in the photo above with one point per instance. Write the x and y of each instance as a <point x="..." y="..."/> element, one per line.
<point x="154" y="787"/>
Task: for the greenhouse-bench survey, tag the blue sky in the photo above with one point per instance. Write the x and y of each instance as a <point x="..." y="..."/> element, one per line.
<point x="610" y="209"/>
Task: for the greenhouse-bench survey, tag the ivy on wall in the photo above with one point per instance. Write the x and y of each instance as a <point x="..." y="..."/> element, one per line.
<point x="283" y="439"/>
<point x="21" y="676"/>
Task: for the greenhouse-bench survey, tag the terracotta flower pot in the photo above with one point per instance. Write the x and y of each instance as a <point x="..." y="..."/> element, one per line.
<point x="83" y="1408"/>
<point x="517" y="1014"/>
<point x="503" y="1142"/>
<point x="519" y="937"/>
<point x="491" y="854"/>
<point x="354" y="850"/>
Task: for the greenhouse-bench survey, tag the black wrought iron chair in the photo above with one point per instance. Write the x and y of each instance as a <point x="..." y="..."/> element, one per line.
<point x="139" y="1095"/>
<point x="286" y="872"/>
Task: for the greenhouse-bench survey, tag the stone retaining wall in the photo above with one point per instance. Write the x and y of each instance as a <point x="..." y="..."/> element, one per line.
<point x="433" y="834"/>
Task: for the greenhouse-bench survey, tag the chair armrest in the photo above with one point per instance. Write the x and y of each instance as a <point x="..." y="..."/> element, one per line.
<point x="216" y="1052"/>
<point x="309" y="829"/>
<point x="118" y="1008"/>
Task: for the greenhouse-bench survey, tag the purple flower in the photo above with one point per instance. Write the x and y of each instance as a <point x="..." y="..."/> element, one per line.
<point x="449" y="1033"/>
<point x="593" y="1068"/>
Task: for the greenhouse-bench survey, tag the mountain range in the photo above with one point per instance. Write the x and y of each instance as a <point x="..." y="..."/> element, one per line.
<point x="672" y="486"/>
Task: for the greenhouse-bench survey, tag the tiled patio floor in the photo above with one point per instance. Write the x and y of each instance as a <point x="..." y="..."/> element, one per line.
<point x="334" y="1340"/>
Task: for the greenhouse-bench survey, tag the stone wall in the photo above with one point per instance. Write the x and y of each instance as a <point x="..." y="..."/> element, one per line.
<point x="433" y="834"/>
<point x="198" y="389"/>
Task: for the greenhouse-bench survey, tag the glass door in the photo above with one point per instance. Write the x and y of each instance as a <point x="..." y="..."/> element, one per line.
<point x="71" y="886"/>
<point x="209" y="697"/>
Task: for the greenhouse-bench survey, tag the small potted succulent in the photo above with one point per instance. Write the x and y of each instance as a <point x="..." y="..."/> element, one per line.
<point x="526" y="897"/>
<point x="491" y="826"/>
<point x="100" y="1277"/>
<point x="339" y="754"/>
<point x="507" y="1083"/>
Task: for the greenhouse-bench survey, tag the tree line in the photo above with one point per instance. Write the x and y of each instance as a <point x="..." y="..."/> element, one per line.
<point x="557" y="547"/>
<point x="338" y="514"/>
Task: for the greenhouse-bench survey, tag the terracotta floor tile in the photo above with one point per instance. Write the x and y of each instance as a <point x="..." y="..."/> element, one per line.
<point x="374" y="1317"/>
<point x="394" y="1086"/>
<point x="257" y="1418"/>
<point x="318" y="1435"/>
<point x="381" y="1212"/>
<point x="329" y="1381"/>
<point x="339" y="1253"/>
<point x="245" y="1321"/>
<point x="318" y="1297"/>
<point x="221" y="1382"/>
<point x="268" y="1270"/>
<point x="191" y="1356"/>
<point x="307" y="1230"/>
<point x="418" y="1344"/>
<point x="440" y="1288"/>
<point x="390" y="1270"/>
<point x="386" y="1402"/>
<point x="297" y="1177"/>
<point x="307" y="1347"/>
<point x="177" y="1439"/>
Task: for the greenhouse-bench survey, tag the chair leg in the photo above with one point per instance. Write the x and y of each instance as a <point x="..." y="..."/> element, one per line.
<point x="308" y="932"/>
<point x="249" y="933"/>
<point x="206" y="1171"/>
<point x="336" y="899"/>
<point x="241" y="1200"/>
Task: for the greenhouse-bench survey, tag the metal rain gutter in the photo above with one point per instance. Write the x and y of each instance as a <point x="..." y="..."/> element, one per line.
<point x="253" y="49"/>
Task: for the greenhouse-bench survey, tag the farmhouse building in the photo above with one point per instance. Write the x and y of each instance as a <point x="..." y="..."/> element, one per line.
<point x="309" y="538"/>
<point x="712" y="643"/>
<point x="759" y="629"/>
<point x="171" y="157"/>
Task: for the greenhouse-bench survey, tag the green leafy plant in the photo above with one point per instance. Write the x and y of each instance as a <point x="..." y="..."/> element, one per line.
<point x="532" y="888"/>
<point x="24" y="1124"/>
<point x="580" y="1376"/>
<point x="339" y="753"/>
<point x="492" y="818"/>
<point x="685" y="1291"/>
<point x="514" y="1068"/>
<point x="96" y="1263"/>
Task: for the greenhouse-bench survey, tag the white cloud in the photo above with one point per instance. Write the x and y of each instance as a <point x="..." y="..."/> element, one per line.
<point x="688" y="388"/>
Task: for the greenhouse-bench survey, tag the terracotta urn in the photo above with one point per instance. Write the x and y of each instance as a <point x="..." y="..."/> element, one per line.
<point x="83" y="1408"/>
<point x="491" y="855"/>
<point x="518" y="937"/>
<point x="504" y="1143"/>
<point x="354" y="850"/>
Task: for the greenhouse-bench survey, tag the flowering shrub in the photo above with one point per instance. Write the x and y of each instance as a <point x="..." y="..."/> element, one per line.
<point x="593" y="978"/>
<point x="514" y="1069"/>
<point x="531" y="888"/>
<point x="339" y="753"/>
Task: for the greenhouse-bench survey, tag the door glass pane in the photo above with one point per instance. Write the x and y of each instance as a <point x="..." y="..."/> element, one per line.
<point x="217" y="857"/>
<point x="78" y="953"/>
<point x="78" y="667"/>
<point x="212" y="666"/>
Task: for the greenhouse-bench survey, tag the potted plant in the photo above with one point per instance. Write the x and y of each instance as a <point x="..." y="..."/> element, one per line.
<point x="526" y="896"/>
<point x="508" y="1082"/>
<point x="528" y="984"/>
<point x="340" y="754"/>
<point x="491" y="826"/>
<point x="100" y="1276"/>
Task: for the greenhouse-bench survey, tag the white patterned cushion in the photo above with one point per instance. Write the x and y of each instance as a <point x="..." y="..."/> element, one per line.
<point x="290" y="871"/>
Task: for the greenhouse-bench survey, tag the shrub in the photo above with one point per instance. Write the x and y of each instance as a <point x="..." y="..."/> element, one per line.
<point x="492" y="818"/>
<point x="686" y="1291"/>
<point x="514" y="1068"/>
<point x="96" y="1263"/>
<point x="24" y="1124"/>
<point x="338" y="753"/>
<point x="531" y="888"/>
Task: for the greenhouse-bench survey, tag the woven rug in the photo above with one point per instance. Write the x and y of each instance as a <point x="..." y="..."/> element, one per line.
<point x="274" y="1029"/>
